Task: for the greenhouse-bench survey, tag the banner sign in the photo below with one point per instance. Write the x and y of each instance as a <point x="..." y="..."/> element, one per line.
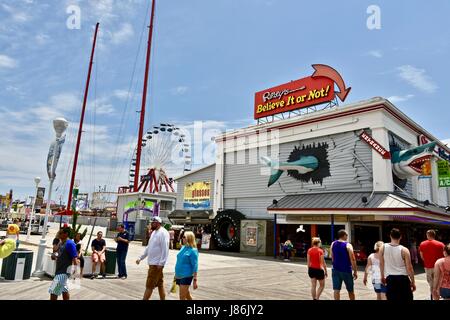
<point x="40" y="197"/>
<point x="197" y="195"/>
<point x="443" y="173"/>
<point x="147" y="207"/>
<point x="315" y="89"/>
<point x="375" y="145"/>
<point x="293" y="95"/>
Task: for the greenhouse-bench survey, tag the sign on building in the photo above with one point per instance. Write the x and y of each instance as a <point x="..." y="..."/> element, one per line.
<point x="197" y="195"/>
<point x="443" y="173"/>
<point x="375" y="145"/>
<point x="302" y="93"/>
<point x="251" y="236"/>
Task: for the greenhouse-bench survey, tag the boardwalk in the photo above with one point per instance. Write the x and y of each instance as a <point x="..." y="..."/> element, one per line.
<point x="221" y="276"/>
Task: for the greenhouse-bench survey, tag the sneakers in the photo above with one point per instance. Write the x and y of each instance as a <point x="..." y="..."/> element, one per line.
<point x="93" y="277"/>
<point x="123" y="278"/>
<point x="104" y="276"/>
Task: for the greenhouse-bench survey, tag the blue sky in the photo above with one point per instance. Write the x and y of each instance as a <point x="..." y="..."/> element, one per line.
<point x="208" y="59"/>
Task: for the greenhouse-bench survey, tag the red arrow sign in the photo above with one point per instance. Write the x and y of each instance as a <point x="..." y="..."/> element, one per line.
<point x="375" y="145"/>
<point x="322" y="70"/>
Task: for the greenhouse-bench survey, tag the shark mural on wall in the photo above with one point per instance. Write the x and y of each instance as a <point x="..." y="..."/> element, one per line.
<point x="408" y="162"/>
<point x="305" y="164"/>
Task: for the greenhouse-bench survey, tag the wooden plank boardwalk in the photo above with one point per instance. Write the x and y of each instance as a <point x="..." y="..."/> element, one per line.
<point x="221" y="277"/>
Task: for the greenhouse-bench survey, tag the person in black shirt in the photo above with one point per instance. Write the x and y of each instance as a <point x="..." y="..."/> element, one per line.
<point x="98" y="254"/>
<point x="122" y="240"/>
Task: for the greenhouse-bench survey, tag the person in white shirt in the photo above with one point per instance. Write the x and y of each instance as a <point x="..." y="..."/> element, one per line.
<point x="156" y="252"/>
<point x="397" y="272"/>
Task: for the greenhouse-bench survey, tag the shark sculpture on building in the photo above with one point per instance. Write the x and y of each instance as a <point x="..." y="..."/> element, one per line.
<point x="408" y="162"/>
<point x="302" y="166"/>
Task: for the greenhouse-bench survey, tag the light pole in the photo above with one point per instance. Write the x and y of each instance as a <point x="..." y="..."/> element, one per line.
<point x="60" y="125"/>
<point x="37" y="180"/>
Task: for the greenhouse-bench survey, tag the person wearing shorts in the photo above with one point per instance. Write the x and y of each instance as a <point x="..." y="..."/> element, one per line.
<point x="430" y="251"/>
<point x="344" y="261"/>
<point x="397" y="272"/>
<point x="317" y="268"/>
<point x="441" y="284"/>
<point x="186" y="267"/>
<point x="373" y="265"/>
<point x="67" y="256"/>
<point x="156" y="252"/>
<point x="98" y="255"/>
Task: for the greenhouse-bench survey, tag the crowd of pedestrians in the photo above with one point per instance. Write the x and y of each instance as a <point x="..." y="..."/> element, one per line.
<point x="389" y="267"/>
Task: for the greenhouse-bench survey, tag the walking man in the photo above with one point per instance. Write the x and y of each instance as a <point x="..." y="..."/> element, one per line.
<point x="430" y="251"/>
<point x="397" y="272"/>
<point x="98" y="255"/>
<point x="66" y="257"/>
<point x="156" y="252"/>
<point x="172" y="237"/>
<point x="122" y="240"/>
<point x="344" y="261"/>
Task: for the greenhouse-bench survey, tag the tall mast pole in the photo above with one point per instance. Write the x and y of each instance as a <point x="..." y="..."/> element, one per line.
<point x="144" y="100"/>
<point x="80" y="129"/>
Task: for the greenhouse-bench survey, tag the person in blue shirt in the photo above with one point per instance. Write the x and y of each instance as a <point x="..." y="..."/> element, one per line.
<point x="66" y="257"/>
<point x="122" y="239"/>
<point x="187" y="265"/>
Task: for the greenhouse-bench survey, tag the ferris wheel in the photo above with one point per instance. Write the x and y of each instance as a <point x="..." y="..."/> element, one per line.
<point x="165" y="153"/>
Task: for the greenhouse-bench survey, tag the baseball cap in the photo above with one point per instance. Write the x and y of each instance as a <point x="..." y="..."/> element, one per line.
<point x="156" y="219"/>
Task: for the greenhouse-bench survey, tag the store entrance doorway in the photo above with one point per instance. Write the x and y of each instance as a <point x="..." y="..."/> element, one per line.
<point x="364" y="239"/>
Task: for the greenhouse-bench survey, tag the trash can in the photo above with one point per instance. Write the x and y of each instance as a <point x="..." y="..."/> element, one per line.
<point x="18" y="265"/>
<point x="111" y="260"/>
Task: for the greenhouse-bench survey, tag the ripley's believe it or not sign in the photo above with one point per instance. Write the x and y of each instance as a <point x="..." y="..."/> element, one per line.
<point x="315" y="89"/>
<point x="197" y="195"/>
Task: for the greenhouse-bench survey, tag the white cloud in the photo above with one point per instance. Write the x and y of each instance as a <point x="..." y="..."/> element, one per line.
<point x="123" y="34"/>
<point x="375" y="53"/>
<point x="41" y="39"/>
<point x="27" y="136"/>
<point x="395" y="99"/>
<point x="178" y="91"/>
<point x="18" y="16"/>
<point x="123" y="94"/>
<point x="7" y="62"/>
<point x="417" y="78"/>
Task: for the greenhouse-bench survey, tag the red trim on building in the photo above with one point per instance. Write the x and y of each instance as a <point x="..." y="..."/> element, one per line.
<point x="343" y="114"/>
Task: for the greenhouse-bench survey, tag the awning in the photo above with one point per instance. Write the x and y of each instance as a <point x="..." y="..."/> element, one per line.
<point x="359" y="203"/>
<point x="190" y="215"/>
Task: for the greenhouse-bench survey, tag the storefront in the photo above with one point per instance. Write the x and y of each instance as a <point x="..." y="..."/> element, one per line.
<point x="364" y="167"/>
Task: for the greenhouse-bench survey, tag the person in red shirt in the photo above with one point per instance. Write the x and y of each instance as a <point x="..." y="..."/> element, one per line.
<point x="317" y="268"/>
<point x="431" y="250"/>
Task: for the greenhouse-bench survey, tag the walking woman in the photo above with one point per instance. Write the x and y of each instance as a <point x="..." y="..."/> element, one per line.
<point x="317" y="268"/>
<point x="187" y="265"/>
<point x="373" y="264"/>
